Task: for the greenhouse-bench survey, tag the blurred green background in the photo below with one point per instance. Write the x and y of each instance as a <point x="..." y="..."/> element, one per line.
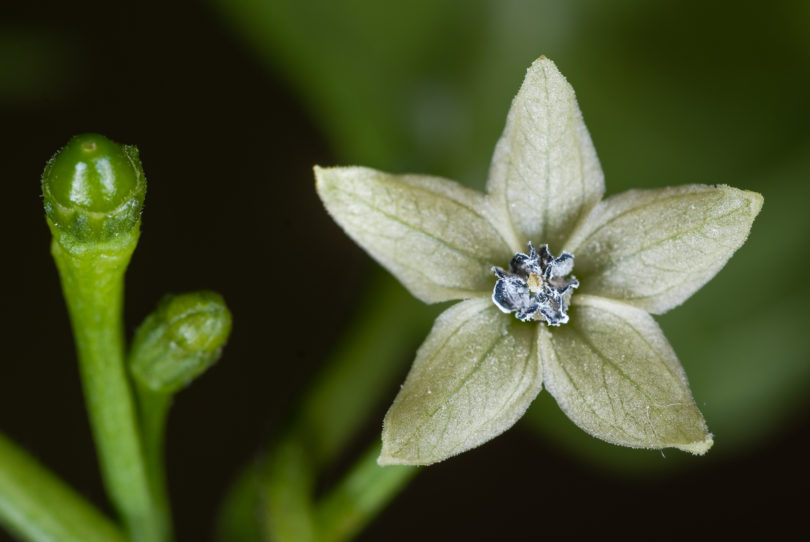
<point x="233" y="101"/>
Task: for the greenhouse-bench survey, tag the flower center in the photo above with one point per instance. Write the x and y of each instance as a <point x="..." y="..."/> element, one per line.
<point x="536" y="286"/>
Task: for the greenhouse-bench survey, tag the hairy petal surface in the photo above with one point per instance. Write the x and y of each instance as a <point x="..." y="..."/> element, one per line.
<point x="654" y="248"/>
<point x="473" y="378"/>
<point x="545" y="174"/>
<point x="615" y="375"/>
<point x="434" y="235"/>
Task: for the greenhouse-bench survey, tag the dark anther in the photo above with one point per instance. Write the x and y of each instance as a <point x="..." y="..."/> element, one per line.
<point x="535" y="286"/>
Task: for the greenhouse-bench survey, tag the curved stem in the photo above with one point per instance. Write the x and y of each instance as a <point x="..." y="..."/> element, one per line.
<point x="154" y="412"/>
<point x="92" y="276"/>
<point x="363" y="369"/>
<point x="241" y="517"/>
<point x="359" y="496"/>
<point x="37" y="506"/>
<point x="287" y="496"/>
<point x="353" y="381"/>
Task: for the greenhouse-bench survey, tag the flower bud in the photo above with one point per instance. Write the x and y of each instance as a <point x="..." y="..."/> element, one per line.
<point x="94" y="188"/>
<point x="179" y="340"/>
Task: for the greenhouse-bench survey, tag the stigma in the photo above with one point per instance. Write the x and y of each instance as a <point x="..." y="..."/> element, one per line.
<point x="537" y="286"/>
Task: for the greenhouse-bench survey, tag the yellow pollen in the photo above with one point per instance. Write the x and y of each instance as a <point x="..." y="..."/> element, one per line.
<point x="535" y="283"/>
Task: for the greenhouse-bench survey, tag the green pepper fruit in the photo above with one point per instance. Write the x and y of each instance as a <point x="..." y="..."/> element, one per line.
<point x="94" y="188"/>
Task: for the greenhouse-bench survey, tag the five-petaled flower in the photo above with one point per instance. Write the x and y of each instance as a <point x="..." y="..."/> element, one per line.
<point x="604" y="358"/>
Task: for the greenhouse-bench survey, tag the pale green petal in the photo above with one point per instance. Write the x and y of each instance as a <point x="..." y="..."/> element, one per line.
<point x="545" y="174"/>
<point x="615" y="375"/>
<point x="473" y="378"/>
<point x="654" y="248"/>
<point x="434" y="235"/>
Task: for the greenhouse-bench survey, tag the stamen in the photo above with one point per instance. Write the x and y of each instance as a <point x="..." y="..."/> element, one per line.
<point x="536" y="287"/>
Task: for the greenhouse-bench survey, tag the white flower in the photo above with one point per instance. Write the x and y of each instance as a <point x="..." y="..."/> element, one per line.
<point x="604" y="358"/>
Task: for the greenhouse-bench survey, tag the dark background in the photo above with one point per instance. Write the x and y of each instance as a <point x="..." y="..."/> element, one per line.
<point x="228" y="144"/>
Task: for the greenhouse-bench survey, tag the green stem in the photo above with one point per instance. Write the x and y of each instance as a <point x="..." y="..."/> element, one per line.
<point x="290" y="482"/>
<point x="360" y="373"/>
<point x="241" y="518"/>
<point x="37" y="506"/>
<point x="92" y="276"/>
<point x="357" y="499"/>
<point x="364" y="368"/>
<point x="154" y="410"/>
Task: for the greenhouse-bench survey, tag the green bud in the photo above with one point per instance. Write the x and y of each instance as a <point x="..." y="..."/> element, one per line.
<point x="179" y="340"/>
<point x="94" y="188"/>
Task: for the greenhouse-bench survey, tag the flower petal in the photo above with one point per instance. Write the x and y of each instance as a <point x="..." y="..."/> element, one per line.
<point x="434" y="235"/>
<point x="473" y="378"/>
<point x="615" y="375"/>
<point x="545" y="174"/>
<point x="654" y="248"/>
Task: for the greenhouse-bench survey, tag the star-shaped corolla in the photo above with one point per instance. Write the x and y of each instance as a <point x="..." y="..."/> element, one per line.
<point x="590" y="337"/>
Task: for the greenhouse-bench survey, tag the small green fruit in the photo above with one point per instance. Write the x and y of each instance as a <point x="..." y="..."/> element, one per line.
<point x="94" y="188"/>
